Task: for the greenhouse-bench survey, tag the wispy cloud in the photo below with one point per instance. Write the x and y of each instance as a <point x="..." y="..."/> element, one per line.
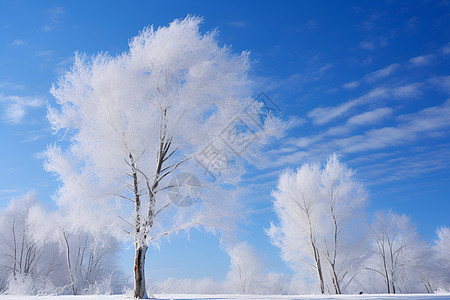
<point x="407" y="91"/>
<point x="402" y="166"/>
<point x="382" y="73"/>
<point x="44" y="53"/>
<point x="62" y="66"/>
<point x="422" y="60"/>
<point x="308" y="26"/>
<point x="238" y="24"/>
<point x="323" y="115"/>
<point x="442" y="83"/>
<point x="35" y="134"/>
<point x="7" y="191"/>
<point x="351" y="85"/>
<point x="6" y="84"/>
<point x="296" y="121"/>
<point x="417" y="61"/>
<point x="15" y="107"/>
<point x="445" y="49"/>
<point x="17" y="42"/>
<point x="410" y="126"/>
<point x="55" y="15"/>
<point x="374" y="43"/>
<point x="429" y="123"/>
<point x="370" y="24"/>
<point x="370" y="117"/>
<point x="358" y="121"/>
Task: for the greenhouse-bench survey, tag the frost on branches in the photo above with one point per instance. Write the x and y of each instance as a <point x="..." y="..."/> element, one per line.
<point x="134" y="121"/>
<point x="317" y="208"/>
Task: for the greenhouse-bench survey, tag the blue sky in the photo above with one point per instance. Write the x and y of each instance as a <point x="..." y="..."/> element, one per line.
<point x="369" y="80"/>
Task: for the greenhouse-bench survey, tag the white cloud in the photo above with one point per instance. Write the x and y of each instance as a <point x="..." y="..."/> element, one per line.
<point x="442" y="83"/>
<point x="296" y="121"/>
<point x="324" y="115"/>
<point x="17" y="42"/>
<point x="381" y="73"/>
<point x="411" y="126"/>
<point x="351" y="85"/>
<point x="432" y="122"/>
<point x="426" y="160"/>
<point x="304" y="142"/>
<point x="370" y="117"/>
<point x="409" y="90"/>
<point x="15" y="107"/>
<point x="357" y="121"/>
<point x="422" y="60"/>
<point x="292" y="158"/>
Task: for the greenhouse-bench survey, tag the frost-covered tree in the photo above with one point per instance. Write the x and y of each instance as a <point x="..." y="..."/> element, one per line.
<point x="317" y="209"/>
<point x="442" y="256"/>
<point x="276" y="283"/>
<point x="397" y="251"/>
<point x="86" y="264"/>
<point x="442" y="244"/>
<point x="19" y="255"/>
<point x="434" y="269"/>
<point x="175" y="102"/>
<point x="297" y="205"/>
<point x="344" y="198"/>
<point x="246" y="266"/>
<point x="36" y="259"/>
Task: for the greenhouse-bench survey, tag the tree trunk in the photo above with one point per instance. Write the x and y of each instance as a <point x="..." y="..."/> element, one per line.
<point x="319" y="270"/>
<point x="139" y="274"/>
<point x="337" y="288"/>
<point x="69" y="267"/>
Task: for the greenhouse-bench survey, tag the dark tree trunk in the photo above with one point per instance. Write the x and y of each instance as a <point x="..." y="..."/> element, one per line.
<point x="337" y="288"/>
<point x="139" y="273"/>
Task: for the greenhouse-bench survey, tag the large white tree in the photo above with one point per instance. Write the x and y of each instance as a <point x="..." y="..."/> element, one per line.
<point x="317" y="208"/>
<point x="175" y="103"/>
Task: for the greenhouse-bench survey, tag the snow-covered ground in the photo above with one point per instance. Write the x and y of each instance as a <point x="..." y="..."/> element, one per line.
<point x="240" y="297"/>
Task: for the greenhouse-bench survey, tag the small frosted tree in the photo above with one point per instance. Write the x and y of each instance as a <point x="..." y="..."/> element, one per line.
<point x="276" y="283"/>
<point x="175" y="102"/>
<point x="19" y="254"/>
<point x="397" y="251"/>
<point x="317" y="209"/>
<point x="246" y="267"/>
<point x="440" y="274"/>
<point x="442" y="244"/>
<point x="26" y="266"/>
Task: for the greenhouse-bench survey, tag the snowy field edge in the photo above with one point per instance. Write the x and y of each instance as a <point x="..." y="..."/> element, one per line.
<point x="236" y="297"/>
